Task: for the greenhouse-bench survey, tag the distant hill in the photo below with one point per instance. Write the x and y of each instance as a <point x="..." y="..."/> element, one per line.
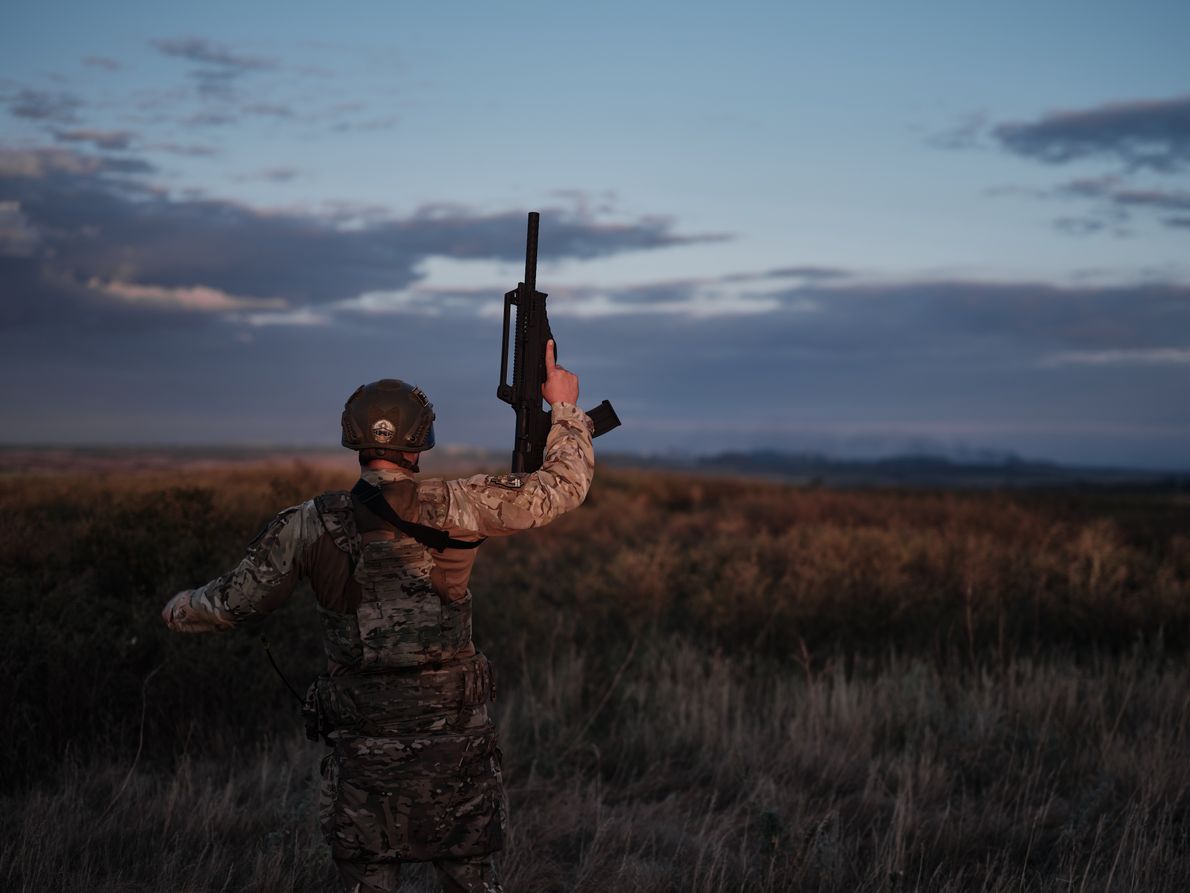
<point x="808" y="469"/>
<point x="989" y="471"/>
<point x="931" y="471"/>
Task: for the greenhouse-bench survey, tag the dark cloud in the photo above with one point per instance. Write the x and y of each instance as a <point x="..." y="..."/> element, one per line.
<point x="101" y="139"/>
<point x="1021" y="315"/>
<point x="1144" y="134"/>
<point x="1075" y="372"/>
<point x="52" y="106"/>
<point x="206" y="52"/>
<point x="1113" y="203"/>
<point x="932" y="323"/>
<point x="1113" y="191"/>
<point x="111" y="243"/>
<point x="966" y="321"/>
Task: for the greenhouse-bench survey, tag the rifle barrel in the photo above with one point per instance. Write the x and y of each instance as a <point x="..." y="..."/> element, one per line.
<point x="531" y="254"/>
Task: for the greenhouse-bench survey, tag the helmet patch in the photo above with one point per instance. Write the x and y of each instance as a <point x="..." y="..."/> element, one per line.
<point x="383" y="431"/>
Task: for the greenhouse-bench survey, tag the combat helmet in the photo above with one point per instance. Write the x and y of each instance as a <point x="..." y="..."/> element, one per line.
<point x="383" y="419"/>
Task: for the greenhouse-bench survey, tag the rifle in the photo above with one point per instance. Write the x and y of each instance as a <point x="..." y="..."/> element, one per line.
<point x="528" y="366"/>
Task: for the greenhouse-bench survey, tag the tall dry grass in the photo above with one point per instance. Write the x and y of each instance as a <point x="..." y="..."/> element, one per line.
<point x="694" y="772"/>
<point x="705" y="685"/>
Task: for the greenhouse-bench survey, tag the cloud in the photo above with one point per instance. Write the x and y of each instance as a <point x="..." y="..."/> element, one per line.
<point x="1112" y="190"/>
<point x="215" y="85"/>
<point x="207" y="52"/>
<point x="967" y="134"/>
<point x="38" y="164"/>
<point x="102" y="246"/>
<point x="846" y="316"/>
<point x="380" y="122"/>
<point x="1021" y="317"/>
<point x="208" y="119"/>
<point x="694" y="299"/>
<point x="97" y="228"/>
<point x="197" y="297"/>
<point x="697" y="306"/>
<point x="1083" y="226"/>
<point x="1143" y="134"/>
<point x="684" y="299"/>
<point x="17" y="237"/>
<point x="269" y="110"/>
<point x="1069" y="370"/>
<point x="1113" y="200"/>
<point x="807" y="272"/>
<point x="103" y="62"/>
<point x="186" y="150"/>
<point x="51" y="106"/>
<point x="271" y="175"/>
<point x="303" y="317"/>
<point x="219" y="67"/>
<point x="1152" y="356"/>
<point x="101" y="139"/>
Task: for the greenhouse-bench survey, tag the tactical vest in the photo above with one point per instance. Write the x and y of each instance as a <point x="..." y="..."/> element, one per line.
<point x="415" y="770"/>
<point x="401" y="621"/>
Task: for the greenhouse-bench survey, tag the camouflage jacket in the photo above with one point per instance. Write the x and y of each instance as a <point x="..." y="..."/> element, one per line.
<point x="297" y="545"/>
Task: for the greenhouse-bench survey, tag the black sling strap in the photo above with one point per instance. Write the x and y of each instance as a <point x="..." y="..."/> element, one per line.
<point x="374" y="501"/>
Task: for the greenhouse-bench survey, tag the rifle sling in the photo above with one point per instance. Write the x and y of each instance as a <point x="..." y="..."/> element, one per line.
<point x="373" y="500"/>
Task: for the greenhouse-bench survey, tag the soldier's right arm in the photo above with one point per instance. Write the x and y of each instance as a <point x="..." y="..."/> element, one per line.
<point x="260" y="583"/>
<point x="498" y="505"/>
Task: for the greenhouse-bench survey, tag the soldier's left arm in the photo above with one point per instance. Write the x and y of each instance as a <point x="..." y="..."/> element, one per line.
<point x="501" y="504"/>
<point x="262" y="582"/>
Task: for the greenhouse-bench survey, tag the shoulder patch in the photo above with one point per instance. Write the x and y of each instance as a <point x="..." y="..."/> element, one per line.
<point x="508" y="481"/>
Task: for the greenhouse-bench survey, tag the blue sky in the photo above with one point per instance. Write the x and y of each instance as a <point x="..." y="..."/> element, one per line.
<point x="861" y="229"/>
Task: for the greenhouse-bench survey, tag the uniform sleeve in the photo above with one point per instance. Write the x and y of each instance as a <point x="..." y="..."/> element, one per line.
<point x="497" y="505"/>
<point x="266" y="577"/>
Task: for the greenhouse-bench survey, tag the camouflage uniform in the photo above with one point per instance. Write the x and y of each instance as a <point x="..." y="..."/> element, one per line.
<point x="414" y="774"/>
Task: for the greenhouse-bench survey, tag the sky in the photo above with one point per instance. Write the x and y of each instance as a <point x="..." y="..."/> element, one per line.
<point x="859" y="229"/>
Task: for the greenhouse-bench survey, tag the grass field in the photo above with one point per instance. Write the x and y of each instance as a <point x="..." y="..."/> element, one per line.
<point x="706" y="685"/>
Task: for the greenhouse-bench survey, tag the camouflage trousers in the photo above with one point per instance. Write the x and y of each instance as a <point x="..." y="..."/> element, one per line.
<point x="476" y="874"/>
<point x="423" y="791"/>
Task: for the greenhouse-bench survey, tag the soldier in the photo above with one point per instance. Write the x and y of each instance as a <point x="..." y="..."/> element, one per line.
<point x="414" y="774"/>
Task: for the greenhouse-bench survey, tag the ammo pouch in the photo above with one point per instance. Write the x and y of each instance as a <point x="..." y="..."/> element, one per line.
<point x="398" y="701"/>
<point x="324" y="711"/>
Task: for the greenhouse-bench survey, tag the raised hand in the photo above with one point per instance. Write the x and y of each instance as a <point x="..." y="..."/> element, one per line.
<point x="560" y="385"/>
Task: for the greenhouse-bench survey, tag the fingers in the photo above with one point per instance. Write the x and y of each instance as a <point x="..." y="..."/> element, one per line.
<point x="560" y="385"/>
